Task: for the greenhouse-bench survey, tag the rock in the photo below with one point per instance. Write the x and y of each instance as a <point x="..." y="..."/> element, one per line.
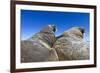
<point x="38" y="48"/>
<point x="70" y="45"/>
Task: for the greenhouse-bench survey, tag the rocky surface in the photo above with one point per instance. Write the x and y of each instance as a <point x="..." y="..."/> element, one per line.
<point x="70" y="45"/>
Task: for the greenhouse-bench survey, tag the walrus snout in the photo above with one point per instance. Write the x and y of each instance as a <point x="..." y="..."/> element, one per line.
<point x="54" y="29"/>
<point x="82" y="30"/>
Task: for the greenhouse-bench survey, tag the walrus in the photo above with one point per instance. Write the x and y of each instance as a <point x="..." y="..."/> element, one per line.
<point x="71" y="46"/>
<point x="38" y="48"/>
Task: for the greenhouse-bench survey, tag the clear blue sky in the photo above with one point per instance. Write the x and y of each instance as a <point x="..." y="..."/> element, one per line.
<point x="33" y="21"/>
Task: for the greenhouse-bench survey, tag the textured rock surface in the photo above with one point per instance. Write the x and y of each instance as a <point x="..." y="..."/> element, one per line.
<point x="70" y="45"/>
<point x="38" y="47"/>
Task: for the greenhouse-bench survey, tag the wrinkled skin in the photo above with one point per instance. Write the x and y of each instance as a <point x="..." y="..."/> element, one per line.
<point x="44" y="46"/>
<point x="70" y="45"/>
<point x="38" y="47"/>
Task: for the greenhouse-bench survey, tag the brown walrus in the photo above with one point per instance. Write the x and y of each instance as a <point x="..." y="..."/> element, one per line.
<point x="70" y="45"/>
<point x="38" y="47"/>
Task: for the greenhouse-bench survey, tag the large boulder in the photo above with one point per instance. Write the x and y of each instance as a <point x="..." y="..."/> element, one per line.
<point x="70" y="45"/>
<point x="38" y="48"/>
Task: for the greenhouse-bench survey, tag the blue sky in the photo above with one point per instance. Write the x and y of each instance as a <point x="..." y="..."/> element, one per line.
<point x="33" y="21"/>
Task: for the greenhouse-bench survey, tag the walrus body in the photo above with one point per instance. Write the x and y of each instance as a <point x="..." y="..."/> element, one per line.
<point x="38" y="47"/>
<point x="70" y="45"/>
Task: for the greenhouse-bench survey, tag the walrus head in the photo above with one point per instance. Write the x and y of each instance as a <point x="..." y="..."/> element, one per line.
<point x="47" y="34"/>
<point x="49" y="29"/>
<point x="77" y="31"/>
